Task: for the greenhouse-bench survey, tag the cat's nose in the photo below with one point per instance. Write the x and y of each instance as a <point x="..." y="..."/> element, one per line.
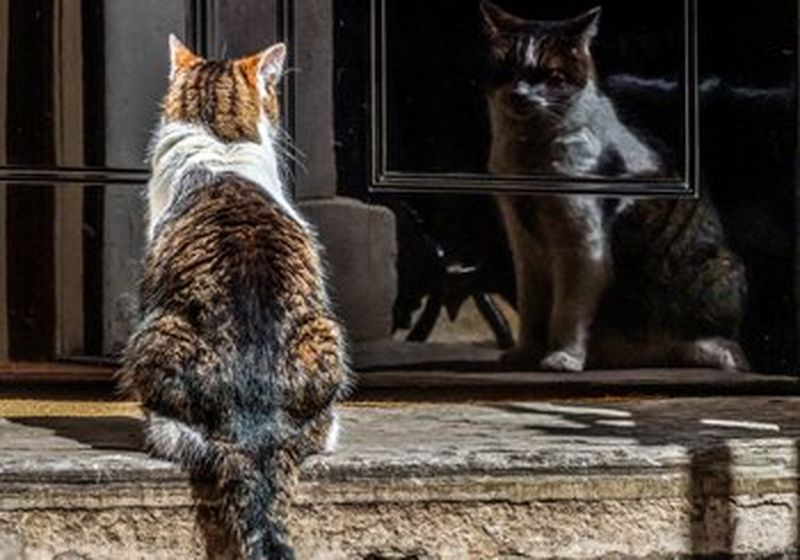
<point x="528" y="92"/>
<point x="522" y="89"/>
<point x="525" y="97"/>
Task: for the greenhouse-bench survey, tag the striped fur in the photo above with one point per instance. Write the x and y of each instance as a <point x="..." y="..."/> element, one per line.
<point x="238" y="359"/>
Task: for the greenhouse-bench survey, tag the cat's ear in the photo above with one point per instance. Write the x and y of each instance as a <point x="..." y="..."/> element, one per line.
<point x="272" y="61"/>
<point x="267" y="66"/>
<point x="586" y="26"/>
<point x="496" y="20"/>
<point x="179" y="55"/>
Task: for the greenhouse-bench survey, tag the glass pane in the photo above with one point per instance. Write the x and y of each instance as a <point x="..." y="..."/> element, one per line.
<point x="748" y="118"/>
<point x="83" y="80"/>
<point x="722" y="268"/>
<point x="74" y="255"/>
<point x="546" y="89"/>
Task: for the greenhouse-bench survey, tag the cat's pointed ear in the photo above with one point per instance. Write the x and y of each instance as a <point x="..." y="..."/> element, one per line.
<point x="586" y="25"/>
<point x="496" y="20"/>
<point x="272" y="62"/>
<point x="179" y="55"/>
<point x="267" y="66"/>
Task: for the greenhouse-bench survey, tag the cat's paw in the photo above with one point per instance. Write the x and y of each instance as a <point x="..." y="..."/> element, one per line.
<point x="562" y="360"/>
<point x="720" y="353"/>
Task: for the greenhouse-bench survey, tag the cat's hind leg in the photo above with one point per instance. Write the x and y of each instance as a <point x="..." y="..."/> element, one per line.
<point x="716" y="352"/>
<point x="614" y="351"/>
<point x="715" y="297"/>
<point x="163" y="366"/>
<point x="319" y="373"/>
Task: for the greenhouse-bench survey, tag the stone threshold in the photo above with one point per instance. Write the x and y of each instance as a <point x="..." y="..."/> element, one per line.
<point x="441" y="376"/>
<point x="653" y="478"/>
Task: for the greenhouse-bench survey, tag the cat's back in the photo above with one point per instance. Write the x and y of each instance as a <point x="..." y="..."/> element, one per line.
<point x="226" y="248"/>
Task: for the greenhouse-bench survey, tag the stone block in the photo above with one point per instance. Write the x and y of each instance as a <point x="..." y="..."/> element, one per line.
<point x="11" y="547"/>
<point x="648" y="479"/>
<point x="360" y="247"/>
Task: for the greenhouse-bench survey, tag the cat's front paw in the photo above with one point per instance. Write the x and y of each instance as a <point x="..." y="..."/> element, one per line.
<point x="562" y="360"/>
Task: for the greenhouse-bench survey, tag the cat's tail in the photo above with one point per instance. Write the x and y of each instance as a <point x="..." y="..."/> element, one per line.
<point x="255" y="499"/>
<point x="254" y="482"/>
<point x="254" y="476"/>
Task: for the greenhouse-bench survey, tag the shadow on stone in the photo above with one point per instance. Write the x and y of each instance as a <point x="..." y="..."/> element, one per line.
<point x="125" y="434"/>
<point x="106" y="433"/>
<point x="711" y="487"/>
<point x="710" y="492"/>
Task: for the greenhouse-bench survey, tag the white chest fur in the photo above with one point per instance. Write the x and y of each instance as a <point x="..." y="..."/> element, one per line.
<point x="180" y="147"/>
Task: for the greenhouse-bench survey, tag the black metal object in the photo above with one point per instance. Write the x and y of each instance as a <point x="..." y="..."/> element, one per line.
<point x="441" y="266"/>
<point x="455" y="286"/>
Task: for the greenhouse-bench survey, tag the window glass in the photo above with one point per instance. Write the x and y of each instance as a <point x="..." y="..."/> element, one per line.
<point x="82" y="81"/>
<point x="74" y="256"/>
<point x="720" y="266"/>
<point x="534" y="93"/>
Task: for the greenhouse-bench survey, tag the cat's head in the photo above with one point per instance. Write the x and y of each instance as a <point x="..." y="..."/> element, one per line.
<point x="538" y="66"/>
<point x="233" y="99"/>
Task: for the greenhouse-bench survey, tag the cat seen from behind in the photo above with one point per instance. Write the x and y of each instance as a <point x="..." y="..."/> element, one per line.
<point x="238" y="359"/>
<point x="600" y="282"/>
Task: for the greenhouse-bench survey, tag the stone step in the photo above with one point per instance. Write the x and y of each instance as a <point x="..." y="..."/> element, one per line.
<point x="665" y="478"/>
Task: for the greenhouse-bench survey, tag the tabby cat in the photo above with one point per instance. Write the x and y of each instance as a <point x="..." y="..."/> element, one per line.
<point x="600" y="282"/>
<point x="238" y="358"/>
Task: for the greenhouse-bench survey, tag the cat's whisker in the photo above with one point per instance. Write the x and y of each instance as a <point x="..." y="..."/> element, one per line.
<point x="287" y="155"/>
<point x="283" y="144"/>
<point x="291" y="70"/>
<point x="287" y="170"/>
<point x="286" y="138"/>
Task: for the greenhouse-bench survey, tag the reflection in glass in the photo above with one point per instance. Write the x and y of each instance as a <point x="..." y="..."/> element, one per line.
<point x="547" y="113"/>
<point x="551" y="72"/>
<point x="600" y="283"/>
<point x="712" y="281"/>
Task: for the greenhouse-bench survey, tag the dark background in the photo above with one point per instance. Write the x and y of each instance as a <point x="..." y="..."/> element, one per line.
<point x="748" y="141"/>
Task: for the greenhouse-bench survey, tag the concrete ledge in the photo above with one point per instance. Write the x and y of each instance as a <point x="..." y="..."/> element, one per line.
<point x="637" y="479"/>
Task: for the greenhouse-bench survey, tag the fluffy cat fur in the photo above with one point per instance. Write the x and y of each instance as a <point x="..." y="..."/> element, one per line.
<point x="238" y="359"/>
<point x="608" y="283"/>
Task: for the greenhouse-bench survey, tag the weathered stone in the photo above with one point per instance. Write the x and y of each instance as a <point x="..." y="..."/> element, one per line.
<point x="361" y="249"/>
<point x="11" y="547"/>
<point x="634" y="479"/>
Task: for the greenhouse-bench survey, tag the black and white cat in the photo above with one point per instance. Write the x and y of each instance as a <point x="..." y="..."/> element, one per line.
<point x="547" y="113"/>
<point x="611" y="283"/>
